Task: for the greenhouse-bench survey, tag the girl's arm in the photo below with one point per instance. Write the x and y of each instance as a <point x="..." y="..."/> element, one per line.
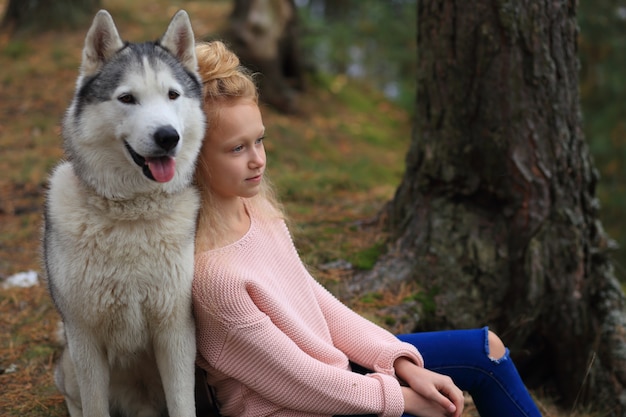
<point x="362" y="341"/>
<point x="260" y="356"/>
<point x="427" y="394"/>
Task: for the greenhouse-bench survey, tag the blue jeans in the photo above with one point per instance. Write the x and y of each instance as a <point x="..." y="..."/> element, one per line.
<point x="495" y="385"/>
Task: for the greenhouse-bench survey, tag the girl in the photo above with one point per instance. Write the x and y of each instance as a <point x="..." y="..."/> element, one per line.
<point x="271" y="339"/>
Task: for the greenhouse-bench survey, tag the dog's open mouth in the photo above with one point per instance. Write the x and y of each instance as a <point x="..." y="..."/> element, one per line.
<point x="158" y="168"/>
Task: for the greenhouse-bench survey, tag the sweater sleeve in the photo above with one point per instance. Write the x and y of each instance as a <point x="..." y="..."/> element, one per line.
<point x="362" y="341"/>
<point x="257" y="353"/>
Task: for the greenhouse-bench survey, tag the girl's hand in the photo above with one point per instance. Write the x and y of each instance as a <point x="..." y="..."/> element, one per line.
<point x="429" y="394"/>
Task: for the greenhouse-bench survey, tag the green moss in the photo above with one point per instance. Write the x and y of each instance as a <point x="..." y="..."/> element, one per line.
<point x="427" y="300"/>
<point x="371" y="298"/>
<point x="17" y="49"/>
<point x="389" y="320"/>
<point x="366" y="258"/>
<point x="39" y="352"/>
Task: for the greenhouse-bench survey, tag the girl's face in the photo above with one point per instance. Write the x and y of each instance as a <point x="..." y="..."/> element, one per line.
<point x="233" y="151"/>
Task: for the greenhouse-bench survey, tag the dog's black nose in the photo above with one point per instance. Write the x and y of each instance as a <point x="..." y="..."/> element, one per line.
<point x="166" y="137"/>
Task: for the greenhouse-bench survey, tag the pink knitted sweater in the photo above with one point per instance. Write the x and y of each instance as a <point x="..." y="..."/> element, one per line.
<point x="276" y="343"/>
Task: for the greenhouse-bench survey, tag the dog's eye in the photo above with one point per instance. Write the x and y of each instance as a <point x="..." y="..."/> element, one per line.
<point x="127" y="99"/>
<point x="173" y="95"/>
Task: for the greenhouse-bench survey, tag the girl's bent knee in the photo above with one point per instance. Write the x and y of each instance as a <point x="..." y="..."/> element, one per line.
<point x="496" y="347"/>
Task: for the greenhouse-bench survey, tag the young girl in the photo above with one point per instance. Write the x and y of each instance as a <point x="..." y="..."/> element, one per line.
<point x="271" y="339"/>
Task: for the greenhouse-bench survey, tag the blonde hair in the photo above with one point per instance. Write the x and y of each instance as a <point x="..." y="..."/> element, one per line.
<point x="225" y="81"/>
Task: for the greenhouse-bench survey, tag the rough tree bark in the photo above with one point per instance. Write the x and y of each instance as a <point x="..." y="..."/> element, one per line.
<point x="496" y="219"/>
<point x="46" y="14"/>
<point x="264" y="34"/>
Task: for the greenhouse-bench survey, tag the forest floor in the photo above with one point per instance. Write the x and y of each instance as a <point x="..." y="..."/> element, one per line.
<point x="335" y="165"/>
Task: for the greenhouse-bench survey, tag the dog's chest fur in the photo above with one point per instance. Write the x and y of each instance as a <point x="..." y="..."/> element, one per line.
<point x="126" y="258"/>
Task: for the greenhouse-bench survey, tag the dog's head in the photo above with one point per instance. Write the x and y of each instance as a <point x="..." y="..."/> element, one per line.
<point x="136" y="122"/>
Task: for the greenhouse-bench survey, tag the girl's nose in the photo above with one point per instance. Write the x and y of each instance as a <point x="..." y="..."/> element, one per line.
<point x="257" y="158"/>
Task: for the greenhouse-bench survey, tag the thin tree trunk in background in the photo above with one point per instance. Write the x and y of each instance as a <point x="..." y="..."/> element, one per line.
<point x="40" y="15"/>
<point x="264" y="34"/>
<point x="496" y="218"/>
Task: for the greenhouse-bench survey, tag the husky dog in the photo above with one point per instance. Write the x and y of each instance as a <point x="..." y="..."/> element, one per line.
<point x="119" y="225"/>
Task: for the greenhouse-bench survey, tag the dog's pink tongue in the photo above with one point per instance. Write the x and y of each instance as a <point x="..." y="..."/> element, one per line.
<point x="163" y="168"/>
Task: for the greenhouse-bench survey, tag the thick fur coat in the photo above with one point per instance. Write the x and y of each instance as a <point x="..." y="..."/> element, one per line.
<point x="119" y="225"/>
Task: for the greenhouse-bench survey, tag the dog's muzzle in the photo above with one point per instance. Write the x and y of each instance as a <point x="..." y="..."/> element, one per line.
<point x="162" y="166"/>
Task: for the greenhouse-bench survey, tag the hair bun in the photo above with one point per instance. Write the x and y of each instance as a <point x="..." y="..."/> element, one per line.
<point x="222" y="74"/>
<point x="215" y="60"/>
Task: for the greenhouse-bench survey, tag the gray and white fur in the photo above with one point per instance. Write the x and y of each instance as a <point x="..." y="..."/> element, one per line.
<point x="119" y="225"/>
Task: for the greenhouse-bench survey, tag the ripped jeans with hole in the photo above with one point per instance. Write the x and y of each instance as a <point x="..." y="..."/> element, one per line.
<point x="463" y="355"/>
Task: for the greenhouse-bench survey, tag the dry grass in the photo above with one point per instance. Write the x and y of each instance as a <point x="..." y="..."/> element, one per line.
<point x="37" y="76"/>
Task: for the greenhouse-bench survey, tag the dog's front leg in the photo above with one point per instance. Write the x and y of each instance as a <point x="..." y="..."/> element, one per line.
<point x="92" y="371"/>
<point x="175" y="352"/>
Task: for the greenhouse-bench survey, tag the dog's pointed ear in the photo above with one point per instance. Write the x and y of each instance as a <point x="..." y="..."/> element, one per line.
<point x="179" y="40"/>
<point x="102" y="41"/>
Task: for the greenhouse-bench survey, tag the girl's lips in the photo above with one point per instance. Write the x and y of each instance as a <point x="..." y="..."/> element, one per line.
<point x="255" y="178"/>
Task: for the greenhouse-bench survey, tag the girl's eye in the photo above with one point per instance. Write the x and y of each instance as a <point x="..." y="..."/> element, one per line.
<point x="260" y="140"/>
<point x="238" y="148"/>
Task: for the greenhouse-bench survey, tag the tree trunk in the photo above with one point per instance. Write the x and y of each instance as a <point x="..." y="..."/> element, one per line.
<point x="496" y="220"/>
<point x="264" y="34"/>
<point x="46" y="14"/>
